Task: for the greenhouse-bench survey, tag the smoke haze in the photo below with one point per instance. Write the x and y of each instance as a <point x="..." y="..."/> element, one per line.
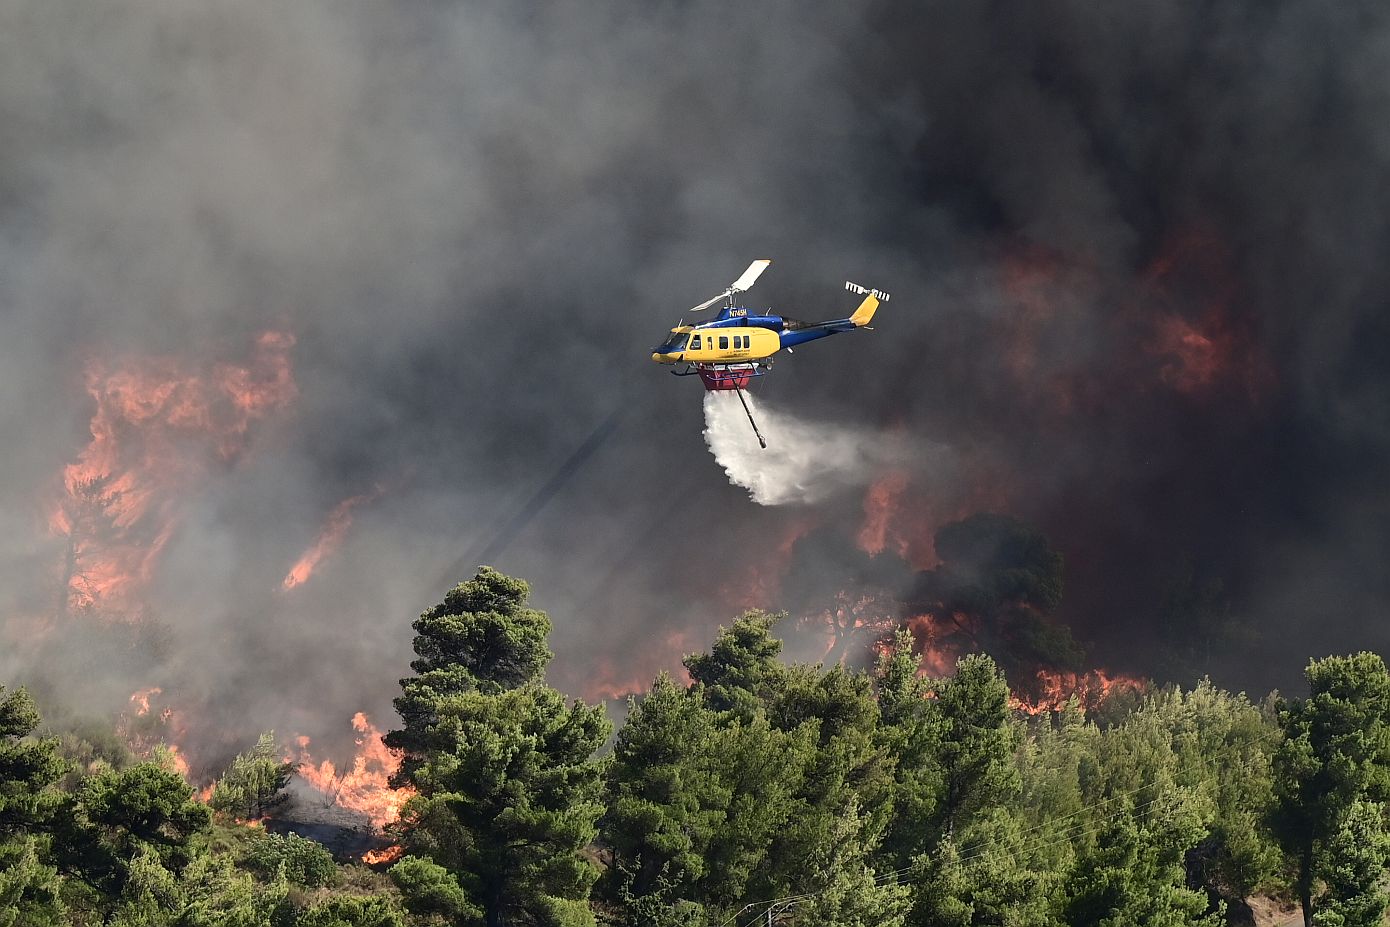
<point x="1136" y="252"/>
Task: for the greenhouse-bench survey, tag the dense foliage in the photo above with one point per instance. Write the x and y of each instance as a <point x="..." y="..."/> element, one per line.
<point x="878" y="798"/>
<point x="252" y="785"/>
<point x="507" y="787"/>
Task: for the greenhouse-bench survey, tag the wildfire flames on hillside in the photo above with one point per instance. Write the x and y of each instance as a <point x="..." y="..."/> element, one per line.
<point x="310" y="310"/>
<point x="361" y="790"/>
<point x="365" y="787"/>
<point x="334" y="529"/>
<point x="161" y="426"/>
<point x="1052" y="691"/>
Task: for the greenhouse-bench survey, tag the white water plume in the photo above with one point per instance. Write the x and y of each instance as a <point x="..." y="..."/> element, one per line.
<point x="804" y="461"/>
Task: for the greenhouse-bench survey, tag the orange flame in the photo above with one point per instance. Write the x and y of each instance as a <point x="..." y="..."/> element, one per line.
<point x="1032" y="279"/>
<point x="604" y="681"/>
<point x="179" y="761"/>
<point x="1195" y="357"/>
<point x="1091" y="688"/>
<point x="388" y="855"/>
<point x="938" y="644"/>
<point x="1046" y="292"/>
<point x="1193" y="360"/>
<point x="1197" y="351"/>
<point x="880" y="502"/>
<point x="1051" y="690"/>
<point x="141" y="699"/>
<point x="364" y="788"/>
<point x="902" y="518"/>
<point x="758" y="583"/>
<point x="155" y="425"/>
<point x="334" y="529"/>
<point x="157" y="735"/>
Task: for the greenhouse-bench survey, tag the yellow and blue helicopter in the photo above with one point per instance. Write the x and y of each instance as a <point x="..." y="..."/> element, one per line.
<point x="737" y="345"/>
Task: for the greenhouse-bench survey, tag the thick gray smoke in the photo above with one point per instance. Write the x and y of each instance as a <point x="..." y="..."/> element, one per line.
<point x="1139" y="290"/>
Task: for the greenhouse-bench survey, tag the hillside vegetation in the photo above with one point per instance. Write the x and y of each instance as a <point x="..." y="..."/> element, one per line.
<point x="825" y="796"/>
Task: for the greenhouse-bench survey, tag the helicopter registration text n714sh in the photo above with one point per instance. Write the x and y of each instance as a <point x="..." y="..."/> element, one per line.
<point x="737" y="345"/>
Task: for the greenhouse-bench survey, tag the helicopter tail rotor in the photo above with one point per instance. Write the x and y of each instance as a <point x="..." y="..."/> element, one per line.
<point x="742" y="284"/>
<point x="866" y="291"/>
<point x="872" y="297"/>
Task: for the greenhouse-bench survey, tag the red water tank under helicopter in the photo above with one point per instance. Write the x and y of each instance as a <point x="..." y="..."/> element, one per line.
<point x="727" y="376"/>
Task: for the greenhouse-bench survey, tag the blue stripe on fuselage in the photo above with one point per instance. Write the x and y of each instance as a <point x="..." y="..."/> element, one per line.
<point x="802" y="335"/>
<point x="773" y="322"/>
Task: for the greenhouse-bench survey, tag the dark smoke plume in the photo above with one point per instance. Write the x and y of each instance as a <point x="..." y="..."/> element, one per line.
<point x="1136" y="252"/>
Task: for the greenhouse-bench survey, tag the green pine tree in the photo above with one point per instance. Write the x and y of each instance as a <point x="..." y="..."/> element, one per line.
<point x="252" y="785"/>
<point x="30" y="801"/>
<point x="1335" y="755"/>
<point x="841" y="885"/>
<point x="1352" y="866"/>
<point x="758" y="781"/>
<point x="507" y="784"/>
<point x="666" y="798"/>
<point x="124" y="822"/>
<point x="741" y="671"/>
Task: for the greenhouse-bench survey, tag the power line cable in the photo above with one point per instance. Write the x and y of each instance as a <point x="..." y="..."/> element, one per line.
<point x="523" y="516"/>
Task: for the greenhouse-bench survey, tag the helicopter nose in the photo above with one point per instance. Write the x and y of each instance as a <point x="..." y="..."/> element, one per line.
<point x="663" y="358"/>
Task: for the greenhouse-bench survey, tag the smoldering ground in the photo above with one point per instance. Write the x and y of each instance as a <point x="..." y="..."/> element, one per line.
<point x="1134" y="254"/>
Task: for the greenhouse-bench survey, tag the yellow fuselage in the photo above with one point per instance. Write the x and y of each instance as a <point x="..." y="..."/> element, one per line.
<point x="731" y="345"/>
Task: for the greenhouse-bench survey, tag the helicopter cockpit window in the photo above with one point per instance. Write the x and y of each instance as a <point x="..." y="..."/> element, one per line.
<point x="694" y="342"/>
<point x="676" y="342"/>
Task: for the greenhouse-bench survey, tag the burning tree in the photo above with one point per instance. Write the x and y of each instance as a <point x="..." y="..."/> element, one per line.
<point x="995" y="589"/>
<point x="85" y="526"/>
<point x="997" y="584"/>
<point x="508" y="792"/>
<point x="834" y="586"/>
<point x="159" y="427"/>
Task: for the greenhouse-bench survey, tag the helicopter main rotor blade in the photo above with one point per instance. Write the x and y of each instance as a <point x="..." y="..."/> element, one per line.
<point x="750" y="276"/>
<point x="709" y="302"/>
<point x="742" y="284"/>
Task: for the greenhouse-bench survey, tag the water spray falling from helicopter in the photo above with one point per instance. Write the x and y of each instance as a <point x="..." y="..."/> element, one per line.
<point x="805" y="461"/>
